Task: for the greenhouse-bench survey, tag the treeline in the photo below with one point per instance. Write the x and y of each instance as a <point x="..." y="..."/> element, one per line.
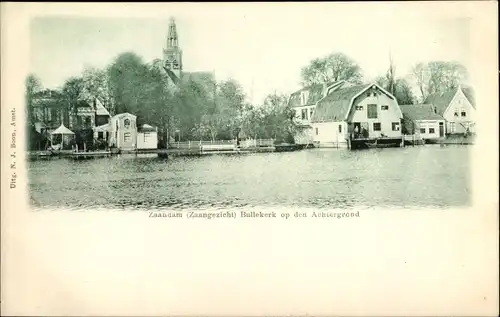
<point x="427" y="78"/>
<point x="201" y="108"/>
<point x="198" y="108"/>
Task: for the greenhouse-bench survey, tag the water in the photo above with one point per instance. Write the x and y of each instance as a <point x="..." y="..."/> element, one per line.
<point x="425" y="176"/>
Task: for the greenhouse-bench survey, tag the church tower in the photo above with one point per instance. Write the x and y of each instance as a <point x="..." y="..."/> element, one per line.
<point x="172" y="55"/>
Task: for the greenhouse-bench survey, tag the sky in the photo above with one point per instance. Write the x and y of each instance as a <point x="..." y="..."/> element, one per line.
<point x="263" y="48"/>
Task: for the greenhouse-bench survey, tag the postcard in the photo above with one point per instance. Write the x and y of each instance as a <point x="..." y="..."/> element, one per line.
<point x="250" y="159"/>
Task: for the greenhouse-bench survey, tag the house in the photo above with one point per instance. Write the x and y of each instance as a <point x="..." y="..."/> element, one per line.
<point x="123" y="132"/>
<point x="363" y="113"/>
<point x="458" y="107"/>
<point x="147" y="137"/>
<point x="304" y="102"/>
<point x="422" y="120"/>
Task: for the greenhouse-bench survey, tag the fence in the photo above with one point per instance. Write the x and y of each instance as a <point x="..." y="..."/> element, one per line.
<point x="243" y="143"/>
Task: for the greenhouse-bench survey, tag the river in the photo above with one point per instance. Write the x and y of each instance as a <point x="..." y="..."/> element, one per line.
<point x="422" y="176"/>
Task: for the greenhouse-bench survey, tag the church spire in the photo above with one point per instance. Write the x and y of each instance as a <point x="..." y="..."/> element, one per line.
<point x="172" y="39"/>
<point x="172" y="55"/>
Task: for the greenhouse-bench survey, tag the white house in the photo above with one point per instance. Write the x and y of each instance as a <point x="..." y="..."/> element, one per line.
<point x="422" y="120"/>
<point x="457" y="107"/>
<point x="304" y="102"/>
<point x="361" y="112"/>
<point x="123" y="132"/>
<point x="147" y="137"/>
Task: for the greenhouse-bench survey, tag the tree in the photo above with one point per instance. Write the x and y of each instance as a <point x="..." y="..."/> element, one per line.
<point x="438" y="76"/>
<point x="72" y="93"/>
<point x="126" y="82"/>
<point x="96" y="85"/>
<point x="278" y="118"/>
<point x="334" y="67"/>
<point x="420" y="73"/>
<point x="401" y="89"/>
<point x="33" y="86"/>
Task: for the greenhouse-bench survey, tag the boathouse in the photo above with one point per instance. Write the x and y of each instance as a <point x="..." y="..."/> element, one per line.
<point x="304" y="102"/>
<point x="458" y="107"/>
<point x="361" y="114"/>
<point x="421" y="120"/>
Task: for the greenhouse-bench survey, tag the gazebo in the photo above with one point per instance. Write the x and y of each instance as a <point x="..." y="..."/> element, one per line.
<point x="63" y="131"/>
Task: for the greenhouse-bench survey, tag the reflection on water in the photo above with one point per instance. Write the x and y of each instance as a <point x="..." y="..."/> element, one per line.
<point x="431" y="176"/>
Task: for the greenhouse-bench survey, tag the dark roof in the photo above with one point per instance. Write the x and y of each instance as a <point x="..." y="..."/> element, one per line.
<point x="420" y="112"/>
<point x="470" y="95"/>
<point x="335" y="106"/>
<point x="442" y="100"/>
<point x="315" y="94"/>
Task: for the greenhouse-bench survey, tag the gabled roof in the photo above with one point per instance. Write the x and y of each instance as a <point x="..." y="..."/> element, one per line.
<point x="99" y="108"/>
<point x="62" y="130"/>
<point x="335" y="106"/>
<point x="470" y="95"/>
<point x="420" y="112"/>
<point x="442" y="100"/>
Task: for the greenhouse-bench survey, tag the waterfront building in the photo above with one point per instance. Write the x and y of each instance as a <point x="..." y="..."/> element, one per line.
<point x="458" y="107"/>
<point x="361" y="113"/>
<point x="421" y="120"/>
<point x="147" y="137"/>
<point x="123" y="134"/>
<point x="304" y="102"/>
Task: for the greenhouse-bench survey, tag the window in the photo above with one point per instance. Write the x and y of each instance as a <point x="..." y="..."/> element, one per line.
<point x="311" y="111"/>
<point x="147" y="137"/>
<point x="385" y="107"/>
<point x="456" y="113"/>
<point x="126" y="123"/>
<point x="452" y="127"/>
<point x="316" y="131"/>
<point x="377" y="126"/>
<point x="340" y="128"/>
<point x="422" y="130"/>
<point x="127" y="137"/>
<point x="464" y="114"/>
<point x="395" y="126"/>
<point x="432" y="131"/>
<point x="359" y="107"/>
<point x="372" y="111"/>
<point x="100" y="135"/>
<point x="303" y="97"/>
<point x="304" y="114"/>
